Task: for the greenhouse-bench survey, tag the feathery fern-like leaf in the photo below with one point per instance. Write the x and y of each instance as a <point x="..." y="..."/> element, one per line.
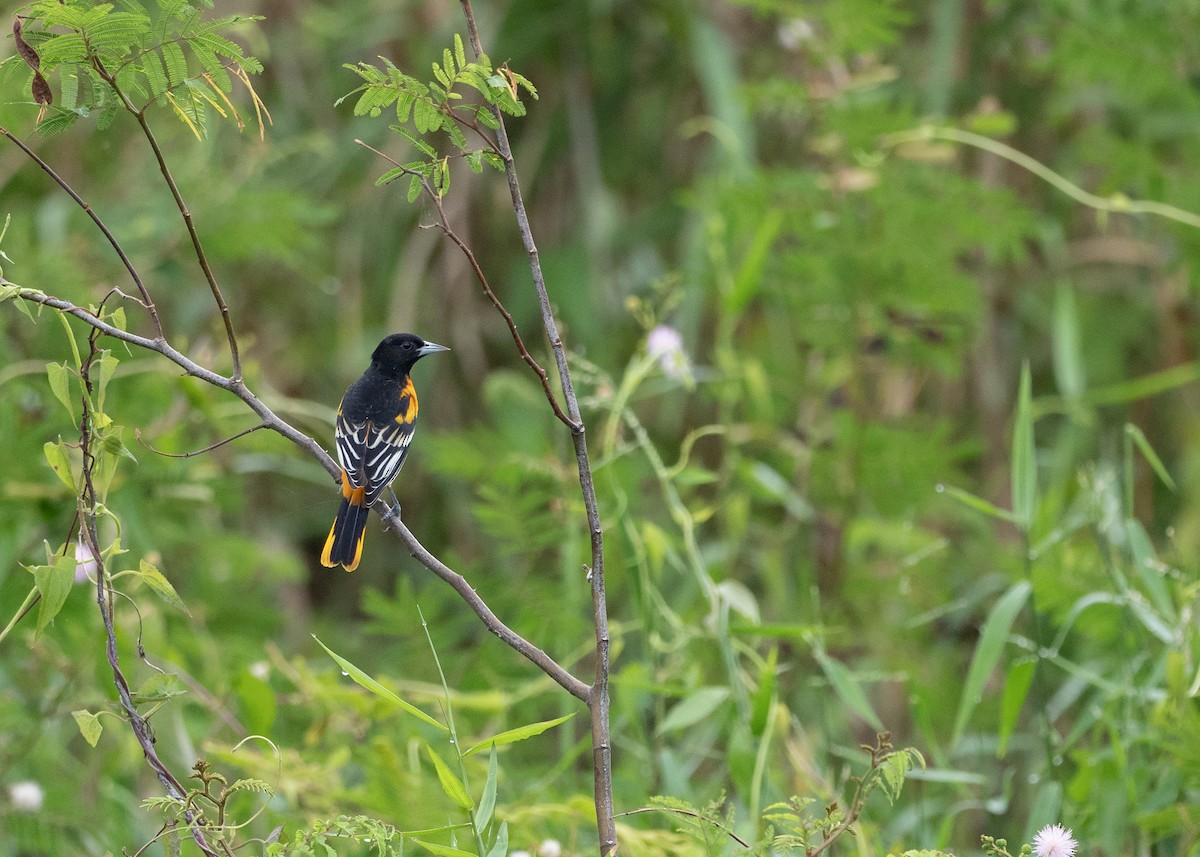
<point x="211" y="64"/>
<point x="373" y="100"/>
<point x="69" y="88"/>
<point x="57" y="121"/>
<point x="65" y="48"/>
<point x="155" y="74"/>
<point x="117" y="34"/>
<point x="175" y="63"/>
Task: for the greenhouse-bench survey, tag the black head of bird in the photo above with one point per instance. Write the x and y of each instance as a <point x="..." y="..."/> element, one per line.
<point x="397" y="353"/>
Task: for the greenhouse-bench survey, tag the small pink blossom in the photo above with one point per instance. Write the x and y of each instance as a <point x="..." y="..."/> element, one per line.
<point x="1054" y="841"/>
<point x="665" y="345"/>
<point x="85" y="562"/>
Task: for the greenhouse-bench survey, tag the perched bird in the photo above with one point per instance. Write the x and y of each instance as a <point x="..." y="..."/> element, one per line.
<point x="375" y="424"/>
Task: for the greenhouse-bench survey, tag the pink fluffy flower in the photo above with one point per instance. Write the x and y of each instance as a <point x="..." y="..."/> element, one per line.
<point x="1054" y="841"/>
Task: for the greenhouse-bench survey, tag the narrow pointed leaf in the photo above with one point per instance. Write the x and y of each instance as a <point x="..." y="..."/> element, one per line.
<point x="764" y="697"/>
<point x="1016" y="689"/>
<point x="162" y="587"/>
<point x="451" y="784"/>
<point x="1151" y="456"/>
<point x="487" y="801"/>
<point x="1024" y="460"/>
<point x="500" y="846"/>
<point x="1149" y="568"/>
<point x="695" y="708"/>
<point x="848" y="689"/>
<point x="988" y="651"/>
<point x="376" y="688"/>
<point x="512" y="736"/>
<point x="977" y="503"/>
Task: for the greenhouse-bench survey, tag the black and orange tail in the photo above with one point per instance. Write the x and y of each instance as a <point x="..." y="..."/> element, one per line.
<point x="345" y="542"/>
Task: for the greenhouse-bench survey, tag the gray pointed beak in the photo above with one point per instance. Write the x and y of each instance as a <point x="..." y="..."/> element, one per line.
<point x="430" y="348"/>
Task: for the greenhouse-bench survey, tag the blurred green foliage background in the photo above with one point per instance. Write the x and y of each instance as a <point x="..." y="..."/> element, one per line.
<point x="787" y="573"/>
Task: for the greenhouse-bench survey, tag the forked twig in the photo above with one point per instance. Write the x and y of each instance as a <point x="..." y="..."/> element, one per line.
<point x="190" y="367"/>
<point x="201" y="257"/>
<point x="277" y="424"/>
<point x="444" y="225"/>
<point x="138" y="434"/>
<point x="70" y="191"/>
<point x="544" y="662"/>
<point x="598" y="702"/>
<point x="87" y="532"/>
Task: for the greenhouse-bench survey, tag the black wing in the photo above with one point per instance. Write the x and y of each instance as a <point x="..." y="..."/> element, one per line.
<point x="372" y="454"/>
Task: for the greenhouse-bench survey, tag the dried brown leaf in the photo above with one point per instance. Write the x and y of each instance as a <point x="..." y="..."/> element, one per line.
<point x="41" y="90"/>
<point x="23" y="47"/>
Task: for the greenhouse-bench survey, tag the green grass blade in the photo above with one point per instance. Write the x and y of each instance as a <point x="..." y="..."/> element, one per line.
<point x="848" y="689"/>
<point x="1016" y="689"/>
<point x="25" y="605"/>
<point x="1135" y="434"/>
<point x="376" y="688"/>
<point x="487" y="801"/>
<point x="500" y="846"/>
<point x="979" y="504"/>
<point x="988" y="651"/>
<point x="695" y="708"/>
<point x="1024" y="460"/>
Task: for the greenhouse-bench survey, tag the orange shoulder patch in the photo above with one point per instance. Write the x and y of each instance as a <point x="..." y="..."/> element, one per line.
<point x="407" y="412"/>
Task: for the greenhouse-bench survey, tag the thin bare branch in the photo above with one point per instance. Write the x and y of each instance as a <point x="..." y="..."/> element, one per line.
<point x="201" y="258"/>
<point x="687" y="813"/>
<point x="70" y="191"/>
<point x="190" y="367"/>
<point x="138" y="434"/>
<point x="87" y="515"/>
<point x="544" y="662"/>
<point x="273" y="422"/>
<point x="598" y="701"/>
<point x="444" y="225"/>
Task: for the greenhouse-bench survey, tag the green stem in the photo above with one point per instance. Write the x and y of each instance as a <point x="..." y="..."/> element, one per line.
<point x="1117" y="203"/>
<point x="26" y="605"/>
<point x="1039" y="647"/>
<point x="462" y="768"/>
